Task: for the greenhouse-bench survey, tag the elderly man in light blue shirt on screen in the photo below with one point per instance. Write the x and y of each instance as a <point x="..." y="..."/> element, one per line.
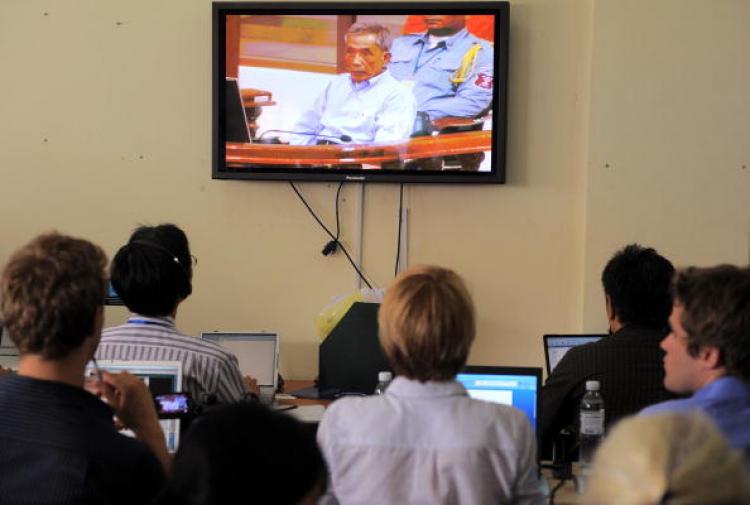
<point x="708" y="349"/>
<point x="364" y="106"/>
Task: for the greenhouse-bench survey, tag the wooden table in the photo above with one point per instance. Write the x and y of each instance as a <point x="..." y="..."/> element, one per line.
<point x="239" y="155"/>
<point x="294" y="385"/>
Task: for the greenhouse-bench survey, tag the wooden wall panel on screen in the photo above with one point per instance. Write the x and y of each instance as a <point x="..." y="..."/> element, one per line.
<point x="233" y="46"/>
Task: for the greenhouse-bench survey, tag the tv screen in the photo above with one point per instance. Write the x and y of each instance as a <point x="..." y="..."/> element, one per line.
<point x="391" y="92"/>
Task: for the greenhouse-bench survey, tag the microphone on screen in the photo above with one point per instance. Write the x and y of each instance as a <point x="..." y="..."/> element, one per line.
<point x="275" y="140"/>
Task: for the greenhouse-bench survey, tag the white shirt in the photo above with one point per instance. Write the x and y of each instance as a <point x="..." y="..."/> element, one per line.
<point x="428" y="443"/>
<point x="380" y="109"/>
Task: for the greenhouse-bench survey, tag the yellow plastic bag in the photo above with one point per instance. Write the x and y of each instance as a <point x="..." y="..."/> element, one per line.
<point x="332" y="313"/>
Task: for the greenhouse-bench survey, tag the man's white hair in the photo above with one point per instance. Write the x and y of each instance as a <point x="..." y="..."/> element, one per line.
<point x="381" y="32"/>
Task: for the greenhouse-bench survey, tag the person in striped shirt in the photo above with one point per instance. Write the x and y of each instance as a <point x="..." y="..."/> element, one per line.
<point x="153" y="274"/>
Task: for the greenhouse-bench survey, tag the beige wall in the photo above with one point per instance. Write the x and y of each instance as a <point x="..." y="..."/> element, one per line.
<point x="669" y="156"/>
<point x="106" y="124"/>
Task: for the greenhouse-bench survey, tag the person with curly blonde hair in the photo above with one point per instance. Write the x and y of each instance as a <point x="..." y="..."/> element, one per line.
<point x="667" y="459"/>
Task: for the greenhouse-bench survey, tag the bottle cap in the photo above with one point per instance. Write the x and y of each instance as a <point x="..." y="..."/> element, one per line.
<point x="592" y="385"/>
<point x="384" y="376"/>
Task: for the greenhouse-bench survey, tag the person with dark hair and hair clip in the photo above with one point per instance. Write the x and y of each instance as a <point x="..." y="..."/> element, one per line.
<point x="627" y="363"/>
<point x="246" y="453"/>
<point x="153" y="274"/>
<point x="708" y="349"/>
<point x="425" y="440"/>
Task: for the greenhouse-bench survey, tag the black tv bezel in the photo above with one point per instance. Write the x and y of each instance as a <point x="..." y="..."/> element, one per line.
<point x="499" y="130"/>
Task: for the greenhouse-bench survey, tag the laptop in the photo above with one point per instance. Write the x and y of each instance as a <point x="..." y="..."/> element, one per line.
<point x="555" y="346"/>
<point x="161" y="377"/>
<point x="515" y="386"/>
<point x="257" y="354"/>
<point x="235" y="120"/>
<point x="112" y="298"/>
<point x="9" y="354"/>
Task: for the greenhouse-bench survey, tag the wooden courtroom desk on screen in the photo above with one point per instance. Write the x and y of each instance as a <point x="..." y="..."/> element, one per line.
<point x="449" y="144"/>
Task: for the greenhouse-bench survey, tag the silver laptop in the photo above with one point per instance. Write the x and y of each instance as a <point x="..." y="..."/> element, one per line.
<point x="257" y="354"/>
<point x="161" y="377"/>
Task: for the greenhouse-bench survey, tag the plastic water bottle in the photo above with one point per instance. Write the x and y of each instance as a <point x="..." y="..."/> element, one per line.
<point x="384" y="378"/>
<point x="592" y="429"/>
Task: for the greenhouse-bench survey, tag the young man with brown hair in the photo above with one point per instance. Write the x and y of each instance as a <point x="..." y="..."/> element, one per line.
<point x="708" y="349"/>
<point x="58" y="443"/>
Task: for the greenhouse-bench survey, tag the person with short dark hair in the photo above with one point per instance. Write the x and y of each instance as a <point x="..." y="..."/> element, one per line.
<point x="425" y="440"/>
<point x="627" y="363"/>
<point x="708" y="349"/>
<point x="153" y="274"/>
<point x="58" y="443"/>
<point x="246" y="451"/>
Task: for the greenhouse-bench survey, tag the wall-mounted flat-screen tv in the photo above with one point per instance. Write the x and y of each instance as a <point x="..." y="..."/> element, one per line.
<point x="392" y="92"/>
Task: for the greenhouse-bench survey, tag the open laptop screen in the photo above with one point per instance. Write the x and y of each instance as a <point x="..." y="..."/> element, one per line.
<point x="257" y="353"/>
<point x="515" y="386"/>
<point x="161" y="377"/>
<point x="556" y="346"/>
<point x="8" y="350"/>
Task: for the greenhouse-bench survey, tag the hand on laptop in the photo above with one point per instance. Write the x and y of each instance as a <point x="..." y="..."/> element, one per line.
<point x="251" y="385"/>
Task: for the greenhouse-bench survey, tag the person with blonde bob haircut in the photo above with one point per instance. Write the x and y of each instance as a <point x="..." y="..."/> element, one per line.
<point x="425" y="440"/>
<point x="427" y="324"/>
<point x="667" y="459"/>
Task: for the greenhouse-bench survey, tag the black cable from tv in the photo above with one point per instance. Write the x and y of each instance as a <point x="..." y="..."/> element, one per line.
<point x="338" y="225"/>
<point x="335" y="238"/>
<point x="400" y="219"/>
<point x="332" y="246"/>
<point x="554" y="491"/>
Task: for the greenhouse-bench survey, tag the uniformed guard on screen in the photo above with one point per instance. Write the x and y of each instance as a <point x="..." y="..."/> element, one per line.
<point x="365" y="105"/>
<point x="449" y="70"/>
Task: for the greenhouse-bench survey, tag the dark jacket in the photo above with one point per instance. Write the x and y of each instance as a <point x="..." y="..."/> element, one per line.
<point x="58" y="446"/>
<point x="628" y="364"/>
